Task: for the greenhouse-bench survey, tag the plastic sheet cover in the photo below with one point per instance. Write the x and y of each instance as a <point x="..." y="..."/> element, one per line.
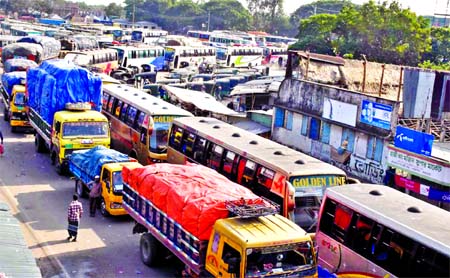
<point x="18" y="65"/>
<point x="193" y="195"/>
<point x="57" y="82"/>
<point x="51" y="47"/>
<point x="91" y="161"/>
<point x="13" y="78"/>
<point x="22" y="50"/>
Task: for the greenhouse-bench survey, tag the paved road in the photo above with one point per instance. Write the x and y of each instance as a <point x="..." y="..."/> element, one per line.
<point x="106" y="247"/>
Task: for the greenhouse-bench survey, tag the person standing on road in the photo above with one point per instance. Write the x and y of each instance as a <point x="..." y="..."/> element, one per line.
<point x="73" y="216"/>
<point x="94" y="195"/>
<point x="1" y="144"/>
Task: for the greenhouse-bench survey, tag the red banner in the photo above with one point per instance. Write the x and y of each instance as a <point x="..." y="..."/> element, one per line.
<point x="407" y="183"/>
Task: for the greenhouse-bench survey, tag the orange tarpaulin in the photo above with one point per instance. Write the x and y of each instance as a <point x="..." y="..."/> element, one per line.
<point x="192" y="195"/>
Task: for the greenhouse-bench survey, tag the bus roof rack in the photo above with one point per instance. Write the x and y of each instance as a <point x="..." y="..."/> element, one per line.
<point x="255" y="208"/>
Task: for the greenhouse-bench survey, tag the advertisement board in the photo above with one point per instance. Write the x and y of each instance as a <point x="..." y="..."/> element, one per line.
<point x="339" y="111"/>
<point x="376" y="114"/>
<point x="413" y="141"/>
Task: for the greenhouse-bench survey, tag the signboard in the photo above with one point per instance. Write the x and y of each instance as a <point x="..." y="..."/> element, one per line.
<point x="407" y="183"/>
<point x="310" y="181"/>
<point x="163" y="119"/>
<point x="419" y="166"/>
<point x="413" y="141"/>
<point x="339" y="111"/>
<point x="376" y="114"/>
<point x="437" y="195"/>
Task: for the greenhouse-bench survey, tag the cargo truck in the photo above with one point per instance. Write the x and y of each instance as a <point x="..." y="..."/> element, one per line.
<point x="107" y="164"/>
<point x="64" y="109"/>
<point x="215" y="227"/>
<point x="13" y="95"/>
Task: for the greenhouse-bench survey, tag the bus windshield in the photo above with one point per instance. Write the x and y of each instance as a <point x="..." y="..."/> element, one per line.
<point x="158" y="140"/>
<point x="136" y="35"/>
<point x="78" y="59"/>
<point x="19" y="99"/>
<point x="221" y="53"/>
<point x="265" y="261"/>
<point x="98" y="129"/>
<point x="168" y="55"/>
<point x="117" y="181"/>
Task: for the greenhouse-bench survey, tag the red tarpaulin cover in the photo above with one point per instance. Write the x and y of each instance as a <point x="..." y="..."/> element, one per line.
<point x="193" y="195"/>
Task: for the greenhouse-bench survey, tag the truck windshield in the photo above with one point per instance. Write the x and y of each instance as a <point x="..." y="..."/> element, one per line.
<point x="94" y="129"/>
<point x="19" y="99"/>
<point x="158" y="140"/>
<point x="117" y="181"/>
<point x="278" y="259"/>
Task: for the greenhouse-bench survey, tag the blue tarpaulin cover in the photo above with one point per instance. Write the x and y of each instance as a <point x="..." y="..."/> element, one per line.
<point x="13" y="78"/>
<point x="91" y="161"/>
<point x="158" y="63"/>
<point x="57" y="82"/>
<point x="18" y="65"/>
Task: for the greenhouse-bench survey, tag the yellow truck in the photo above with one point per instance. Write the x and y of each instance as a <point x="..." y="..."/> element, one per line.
<point x="64" y="109"/>
<point x="253" y="241"/>
<point x="108" y="165"/>
<point x="14" y="100"/>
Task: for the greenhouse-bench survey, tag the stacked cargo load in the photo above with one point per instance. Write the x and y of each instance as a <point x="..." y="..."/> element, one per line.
<point x="57" y="82"/>
<point x="192" y="195"/>
<point x="10" y="79"/>
<point x="18" y="65"/>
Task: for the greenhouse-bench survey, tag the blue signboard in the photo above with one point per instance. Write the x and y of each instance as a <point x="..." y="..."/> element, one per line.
<point x="413" y="141"/>
<point x="376" y="114"/>
<point x="438" y="195"/>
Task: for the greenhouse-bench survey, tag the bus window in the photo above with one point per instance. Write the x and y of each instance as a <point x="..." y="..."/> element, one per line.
<point x="342" y="220"/>
<point x="265" y="177"/>
<point x="117" y="108"/>
<point x="188" y="144"/>
<point x="141" y="118"/>
<point x="175" y="138"/>
<point x="105" y="100"/>
<point x="199" y="150"/>
<point x="249" y="171"/>
<point x="110" y="104"/>
<point x="215" y="158"/>
<point x="131" y="116"/>
<point x="124" y="112"/>
<point x="359" y="234"/>
<point x="228" y="163"/>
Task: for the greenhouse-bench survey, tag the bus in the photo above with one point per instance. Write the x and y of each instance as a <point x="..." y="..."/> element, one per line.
<point x="99" y="60"/>
<point x="21" y="31"/>
<point x="290" y="178"/>
<point x="147" y="36"/>
<point x="200" y="35"/>
<point x="239" y="56"/>
<point x="133" y="56"/>
<point x="217" y="39"/>
<point x="369" y="230"/>
<point x="139" y="122"/>
<point x="184" y="56"/>
<point x="275" y="55"/>
<point x="278" y="40"/>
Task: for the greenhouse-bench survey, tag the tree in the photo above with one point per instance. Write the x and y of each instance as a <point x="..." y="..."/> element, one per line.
<point x="265" y="13"/>
<point x="184" y="14"/>
<point x="318" y="7"/>
<point x="227" y="15"/>
<point x="384" y="33"/>
<point x="113" y="10"/>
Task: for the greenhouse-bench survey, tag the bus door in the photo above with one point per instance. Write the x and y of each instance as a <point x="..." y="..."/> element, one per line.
<point x="228" y="59"/>
<point x="175" y="62"/>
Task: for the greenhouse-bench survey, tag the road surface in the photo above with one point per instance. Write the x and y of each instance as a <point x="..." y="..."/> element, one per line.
<point x="106" y="247"/>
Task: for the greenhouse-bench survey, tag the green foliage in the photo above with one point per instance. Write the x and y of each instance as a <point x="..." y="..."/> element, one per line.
<point x="227" y="15"/>
<point x="113" y="10"/>
<point x="440" y="46"/>
<point x="318" y="7"/>
<point x="265" y="13"/>
<point x="384" y="33"/>
<point x="427" y="64"/>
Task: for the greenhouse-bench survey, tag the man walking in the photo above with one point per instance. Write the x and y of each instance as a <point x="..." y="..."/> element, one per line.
<point x="1" y="144"/>
<point x="73" y="216"/>
<point x="94" y="195"/>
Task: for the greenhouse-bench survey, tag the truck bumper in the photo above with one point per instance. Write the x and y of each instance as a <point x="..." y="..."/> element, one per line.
<point x="20" y="123"/>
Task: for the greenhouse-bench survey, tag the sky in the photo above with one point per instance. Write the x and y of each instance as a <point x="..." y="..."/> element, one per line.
<point x="420" y="7"/>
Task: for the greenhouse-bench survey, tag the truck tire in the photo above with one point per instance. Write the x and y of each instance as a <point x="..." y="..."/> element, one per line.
<point x="103" y="209"/>
<point x="149" y="249"/>
<point x="39" y="144"/>
<point x="55" y="161"/>
<point x="5" y="114"/>
<point x="79" y="189"/>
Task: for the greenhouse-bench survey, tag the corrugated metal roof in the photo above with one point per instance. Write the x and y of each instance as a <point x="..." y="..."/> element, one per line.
<point x="16" y="260"/>
<point x="321" y="57"/>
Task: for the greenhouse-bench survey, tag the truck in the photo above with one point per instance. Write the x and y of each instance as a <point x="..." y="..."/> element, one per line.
<point x="13" y="95"/>
<point x="215" y="227"/>
<point x="107" y="164"/>
<point x="64" y="110"/>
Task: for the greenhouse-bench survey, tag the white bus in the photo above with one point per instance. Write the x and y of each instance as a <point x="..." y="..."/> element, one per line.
<point x="147" y="36"/>
<point x="219" y="39"/>
<point x="130" y="56"/>
<point x="275" y="55"/>
<point x="184" y="56"/>
<point x="239" y="56"/>
<point x="368" y="230"/>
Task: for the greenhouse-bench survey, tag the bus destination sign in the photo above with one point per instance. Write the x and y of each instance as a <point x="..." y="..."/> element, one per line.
<point x="308" y="181"/>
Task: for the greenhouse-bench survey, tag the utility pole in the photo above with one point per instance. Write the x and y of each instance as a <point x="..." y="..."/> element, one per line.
<point x="134" y="11"/>
<point x="209" y="19"/>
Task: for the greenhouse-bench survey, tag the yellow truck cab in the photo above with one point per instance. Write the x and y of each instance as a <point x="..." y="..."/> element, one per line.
<point x="264" y="246"/>
<point x="112" y="186"/>
<point x="75" y="130"/>
<point x="17" y="112"/>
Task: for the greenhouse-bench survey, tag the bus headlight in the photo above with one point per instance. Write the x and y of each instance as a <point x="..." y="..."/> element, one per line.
<point x="116" y="205"/>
